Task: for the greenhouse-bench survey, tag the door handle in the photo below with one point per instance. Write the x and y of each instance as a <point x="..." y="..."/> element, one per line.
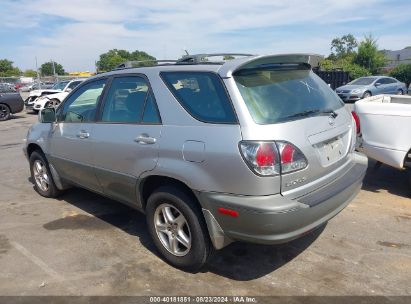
<point x="83" y="134"/>
<point x="144" y="139"/>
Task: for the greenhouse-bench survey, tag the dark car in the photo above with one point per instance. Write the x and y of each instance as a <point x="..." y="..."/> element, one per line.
<point x="6" y="88"/>
<point x="10" y="103"/>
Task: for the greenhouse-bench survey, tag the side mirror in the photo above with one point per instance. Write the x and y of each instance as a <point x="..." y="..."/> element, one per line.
<point x="47" y="115"/>
<point x="68" y="90"/>
<point x="377" y="84"/>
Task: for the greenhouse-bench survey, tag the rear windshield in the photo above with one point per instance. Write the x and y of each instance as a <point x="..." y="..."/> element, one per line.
<point x="363" y="81"/>
<point x="279" y="93"/>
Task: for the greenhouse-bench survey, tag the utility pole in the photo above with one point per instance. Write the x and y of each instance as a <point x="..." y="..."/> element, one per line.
<point x="54" y="69"/>
<point x="38" y="75"/>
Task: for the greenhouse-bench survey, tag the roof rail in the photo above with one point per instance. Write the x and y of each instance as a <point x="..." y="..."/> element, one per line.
<point x="143" y="63"/>
<point x="186" y="59"/>
<point x="202" y="58"/>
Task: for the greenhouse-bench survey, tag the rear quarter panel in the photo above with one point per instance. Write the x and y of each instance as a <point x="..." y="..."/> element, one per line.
<point x="220" y="167"/>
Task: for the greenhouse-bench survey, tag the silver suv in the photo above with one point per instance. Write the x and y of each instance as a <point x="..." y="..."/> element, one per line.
<point x="255" y="149"/>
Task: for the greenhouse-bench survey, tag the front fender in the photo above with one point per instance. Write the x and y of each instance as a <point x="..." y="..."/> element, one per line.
<point x="39" y="135"/>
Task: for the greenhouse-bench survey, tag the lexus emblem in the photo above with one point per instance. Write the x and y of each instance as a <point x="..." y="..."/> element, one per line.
<point x="331" y="120"/>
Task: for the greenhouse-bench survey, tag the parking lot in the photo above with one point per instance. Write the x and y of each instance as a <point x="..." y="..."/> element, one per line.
<point x="85" y="244"/>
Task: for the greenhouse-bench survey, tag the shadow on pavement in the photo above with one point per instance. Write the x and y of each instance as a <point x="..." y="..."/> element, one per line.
<point x="238" y="261"/>
<point x="383" y="177"/>
<point x="17" y="116"/>
<point x="244" y="261"/>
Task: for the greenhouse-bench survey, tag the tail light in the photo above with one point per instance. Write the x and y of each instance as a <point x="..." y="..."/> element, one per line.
<point x="272" y="158"/>
<point x="261" y="157"/>
<point x="357" y="122"/>
<point x="292" y="159"/>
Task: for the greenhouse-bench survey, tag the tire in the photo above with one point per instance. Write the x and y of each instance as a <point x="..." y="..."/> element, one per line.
<point x="53" y="103"/>
<point x="400" y="92"/>
<point x="192" y="224"/>
<point x="41" y="175"/>
<point x="367" y="94"/>
<point x="4" y="112"/>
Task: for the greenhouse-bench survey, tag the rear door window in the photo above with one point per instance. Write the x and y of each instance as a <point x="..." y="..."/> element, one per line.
<point x="283" y="92"/>
<point x="202" y="95"/>
<point x="129" y="100"/>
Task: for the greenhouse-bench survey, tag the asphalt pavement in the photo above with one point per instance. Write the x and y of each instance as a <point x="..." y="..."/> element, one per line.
<point x="85" y="244"/>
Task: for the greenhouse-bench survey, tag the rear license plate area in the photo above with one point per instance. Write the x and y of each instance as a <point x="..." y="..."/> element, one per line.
<point x="331" y="151"/>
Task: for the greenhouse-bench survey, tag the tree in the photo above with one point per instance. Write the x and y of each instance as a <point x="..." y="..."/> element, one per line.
<point x="30" y="73"/>
<point x="7" y="68"/>
<point x="402" y="72"/>
<point x="114" y="57"/>
<point x="368" y="55"/>
<point x="343" y="46"/>
<point x="346" y="65"/>
<point x="47" y="69"/>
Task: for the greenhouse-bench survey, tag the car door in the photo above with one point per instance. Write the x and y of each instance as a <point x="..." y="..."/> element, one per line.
<point x="72" y="135"/>
<point x="392" y="86"/>
<point x="380" y="86"/>
<point x="126" y="136"/>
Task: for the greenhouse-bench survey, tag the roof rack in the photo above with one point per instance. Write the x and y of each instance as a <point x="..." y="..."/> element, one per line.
<point x="186" y="59"/>
<point x="143" y="63"/>
<point x="202" y="58"/>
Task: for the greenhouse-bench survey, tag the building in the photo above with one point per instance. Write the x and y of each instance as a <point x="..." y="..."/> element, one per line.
<point x="81" y="74"/>
<point x="398" y="57"/>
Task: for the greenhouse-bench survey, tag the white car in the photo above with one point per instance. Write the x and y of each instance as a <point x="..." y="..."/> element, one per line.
<point x="37" y="98"/>
<point x="384" y="126"/>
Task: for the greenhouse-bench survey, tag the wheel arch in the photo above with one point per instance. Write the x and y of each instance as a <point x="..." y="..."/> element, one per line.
<point x="407" y="159"/>
<point x="6" y="104"/>
<point x="152" y="182"/>
<point x="33" y="147"/>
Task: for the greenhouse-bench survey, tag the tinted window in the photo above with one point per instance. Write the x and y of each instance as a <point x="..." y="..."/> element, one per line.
<point x="73" y="84"/>
<point x="363" y="81"/>
<point x="81" y="106"/>
<point x="390" y="80"/>
<point x="150" y="111"/>
<point x="202" y="94"/>
<point x="284" y="92"/>
<point x="126" y="100"/>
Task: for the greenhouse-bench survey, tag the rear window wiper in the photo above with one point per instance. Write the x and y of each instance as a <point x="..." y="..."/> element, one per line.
<point x="311" y="112"/>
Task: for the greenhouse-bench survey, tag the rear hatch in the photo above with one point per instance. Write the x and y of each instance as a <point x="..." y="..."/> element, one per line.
<point x="289" y="103"/>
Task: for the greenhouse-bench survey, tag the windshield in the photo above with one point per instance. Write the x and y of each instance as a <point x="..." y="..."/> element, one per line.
<point x="60" y="85"/>
<point x="280" y="93"/>
<point x="363" y="81"/>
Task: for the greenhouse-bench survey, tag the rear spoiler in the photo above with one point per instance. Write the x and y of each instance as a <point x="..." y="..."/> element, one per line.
<point x="228" y="68"/>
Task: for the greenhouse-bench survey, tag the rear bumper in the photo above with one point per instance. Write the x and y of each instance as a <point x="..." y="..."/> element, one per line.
<point x="391" y="157"/>
<point x="276" y="219"/>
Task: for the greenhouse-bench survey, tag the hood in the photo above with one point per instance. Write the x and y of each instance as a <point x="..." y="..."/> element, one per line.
<point x="40" y="92"/>
<point x="59" y="95"/>
<point x="351" y="87"/>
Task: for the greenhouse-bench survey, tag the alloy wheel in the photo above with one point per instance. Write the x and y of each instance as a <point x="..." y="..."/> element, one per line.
<point x="40" y="175"/>
<point x="172" y="229"/>
<point x="4" y="112"/>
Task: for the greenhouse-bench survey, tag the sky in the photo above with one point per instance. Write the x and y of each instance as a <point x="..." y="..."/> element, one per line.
<point x="75" y="32"/>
